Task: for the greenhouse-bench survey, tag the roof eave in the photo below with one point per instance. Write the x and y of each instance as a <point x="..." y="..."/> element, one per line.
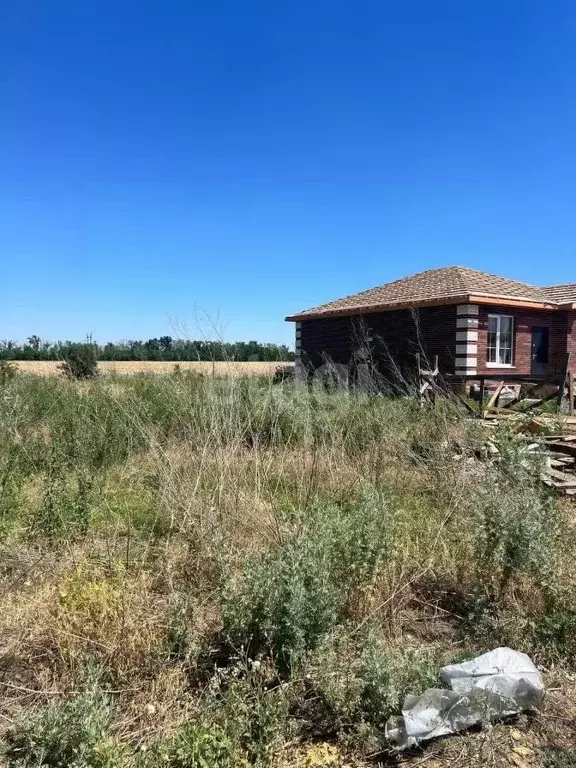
<point x="512" y="301"/>
<point x="467" y="298"/>
<point x="372" y="308"/>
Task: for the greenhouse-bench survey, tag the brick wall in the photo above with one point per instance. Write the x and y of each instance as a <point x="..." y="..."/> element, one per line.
<point x="396" y="337"/>
<point x="571" y="323"/>
<point x="524" y="320"/>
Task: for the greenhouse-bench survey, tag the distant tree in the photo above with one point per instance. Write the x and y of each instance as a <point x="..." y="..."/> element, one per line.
<point x="34" y="341"/>
<point x="79" y="361"/>
<point x="163" y="348"/>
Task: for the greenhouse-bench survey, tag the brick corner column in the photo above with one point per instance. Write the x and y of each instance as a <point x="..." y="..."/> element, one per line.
<point x="466" y="340"/>
<point x="298" y="350"/>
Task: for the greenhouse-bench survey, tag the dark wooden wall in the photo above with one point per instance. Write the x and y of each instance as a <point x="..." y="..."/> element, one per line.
<point x="398" y="335"/>
<point x="571" y="323"/>
<point x="396" y="338"/>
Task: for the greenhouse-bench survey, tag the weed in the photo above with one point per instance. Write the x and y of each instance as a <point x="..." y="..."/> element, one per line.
<point x="249" y="564"/>
<point x="243" y="723"/>
<point x="362" y="682"/>
<point x="66" y="504"/>
<point x="516" y="530"/>
<point x="558" y="758"/>
<point x="289" y="598"/>
<point x="555" y="635"/>
<point x="66" y="734"/>
<point x="8" y="372"/>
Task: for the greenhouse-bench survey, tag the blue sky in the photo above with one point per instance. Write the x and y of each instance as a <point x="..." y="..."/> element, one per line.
<point x="164" y="162"/>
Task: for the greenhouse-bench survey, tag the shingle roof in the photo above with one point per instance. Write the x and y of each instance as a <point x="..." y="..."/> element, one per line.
<point x="563" y="294"/>
<point x="425" y="287"/>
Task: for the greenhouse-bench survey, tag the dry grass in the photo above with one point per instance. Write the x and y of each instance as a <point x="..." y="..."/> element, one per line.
<point x="217" y="476"/>
<point x="132" y="367"/>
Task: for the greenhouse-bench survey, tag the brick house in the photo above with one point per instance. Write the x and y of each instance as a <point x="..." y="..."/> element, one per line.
<point x="476" y="323"/>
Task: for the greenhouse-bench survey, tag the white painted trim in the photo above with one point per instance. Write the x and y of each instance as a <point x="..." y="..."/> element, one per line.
<point x="467" y="322"/>
<point x="467" y="309"/>
<point x="499" y="365"/>
<point x="467" y="349"/>
<point x="466" y="372"/>
<point x="468" y="335"/>
<point x="467" y="362"/>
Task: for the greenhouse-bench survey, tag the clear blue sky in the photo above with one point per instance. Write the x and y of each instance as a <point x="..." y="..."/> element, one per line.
<point x="254" y="158"/>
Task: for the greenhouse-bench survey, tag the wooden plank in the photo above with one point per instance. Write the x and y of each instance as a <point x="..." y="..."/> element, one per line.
<point x="524" y="396"/>
<point x="562" y="461"/>
<point x="494" y="399"/>
<point x="562" y="386"/>
<point x="571" y="390"/>
<point x="567" y="448"/>
<point x="482" y="394"/>
<point x="540" y="402"/>
<point x="503" y="412"/>
<point x="453" y="394"/>
<point x="563" y="478"/>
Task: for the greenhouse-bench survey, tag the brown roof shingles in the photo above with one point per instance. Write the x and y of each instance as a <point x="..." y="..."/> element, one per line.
<point x="431" y="286"/>
<point x="563" y="294"/>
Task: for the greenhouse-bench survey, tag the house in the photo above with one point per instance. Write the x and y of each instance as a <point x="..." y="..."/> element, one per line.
<point x="477" y="324"/>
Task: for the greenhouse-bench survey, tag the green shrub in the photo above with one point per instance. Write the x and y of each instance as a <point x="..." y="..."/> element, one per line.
<point x="66" y="734"/>
<point x="66" y="504"/>
<point x="555" y="635"/>
<point x="361" y="682"/>
<point x="558" y="758"/>
<point x="8" y="372"/>
<point x="516" y="528"/>
<point x="388" y="675"/>
<point x="12" y="479"/>
<point x="289" y="598"/>
<point x="79" y="361"/>
<point x="196" y="745"/>
<point x="243" y="722"/>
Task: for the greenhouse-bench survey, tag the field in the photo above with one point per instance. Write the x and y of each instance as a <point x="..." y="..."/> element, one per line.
<point x="50" y="367"/>
<point x="222" y="572"/>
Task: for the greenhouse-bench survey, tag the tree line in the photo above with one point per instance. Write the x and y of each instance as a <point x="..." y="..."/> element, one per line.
<point x="164" y="348"/>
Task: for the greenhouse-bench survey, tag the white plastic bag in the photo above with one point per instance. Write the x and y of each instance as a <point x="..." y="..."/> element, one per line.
<point x="509" y="673"/>
<point x="497" y="684"/>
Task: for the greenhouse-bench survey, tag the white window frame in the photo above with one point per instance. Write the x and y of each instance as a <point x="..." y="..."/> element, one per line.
<point x="497" y="364"/>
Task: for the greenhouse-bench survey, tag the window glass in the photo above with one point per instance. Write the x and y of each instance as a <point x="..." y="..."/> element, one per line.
<point x="492" y="336"/>
<point x="500" y="339"/>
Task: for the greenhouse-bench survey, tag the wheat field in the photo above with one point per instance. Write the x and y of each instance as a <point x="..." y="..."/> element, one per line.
<point x="132" y="367"/>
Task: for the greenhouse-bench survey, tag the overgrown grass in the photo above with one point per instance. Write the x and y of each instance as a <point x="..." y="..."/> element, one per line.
<point x="250" y="566"/>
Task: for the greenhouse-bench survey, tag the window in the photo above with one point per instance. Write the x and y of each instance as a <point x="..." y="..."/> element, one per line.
<point x="500" y="340"/>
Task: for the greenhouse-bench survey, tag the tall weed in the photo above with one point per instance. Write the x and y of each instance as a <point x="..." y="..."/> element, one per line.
<point x="67" y="734"/>
<point x="288" y="598"/>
